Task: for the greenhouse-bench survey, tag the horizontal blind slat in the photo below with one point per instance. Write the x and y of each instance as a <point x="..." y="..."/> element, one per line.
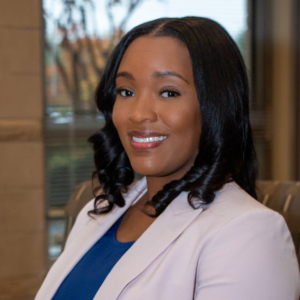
<point x="69" y="161"/>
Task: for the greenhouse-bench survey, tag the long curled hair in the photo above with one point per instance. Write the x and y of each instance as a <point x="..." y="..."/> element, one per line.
<point x="226" y="150"/>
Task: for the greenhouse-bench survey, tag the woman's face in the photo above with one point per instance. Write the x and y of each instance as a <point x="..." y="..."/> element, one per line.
<point x="157" y="112"/>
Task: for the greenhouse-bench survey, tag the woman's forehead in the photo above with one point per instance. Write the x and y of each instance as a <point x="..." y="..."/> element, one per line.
<point x="156" y="45"/>
<point x="156" y="54"/>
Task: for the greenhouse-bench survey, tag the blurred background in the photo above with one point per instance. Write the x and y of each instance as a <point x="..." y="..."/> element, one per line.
<point x="52" y="55"/>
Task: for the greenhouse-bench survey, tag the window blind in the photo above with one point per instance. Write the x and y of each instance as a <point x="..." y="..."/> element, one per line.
<point x="68" y="156"/>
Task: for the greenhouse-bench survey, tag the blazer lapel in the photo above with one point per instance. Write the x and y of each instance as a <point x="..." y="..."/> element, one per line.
<point x="162" y="232"/>
<point x="87" y="237"/>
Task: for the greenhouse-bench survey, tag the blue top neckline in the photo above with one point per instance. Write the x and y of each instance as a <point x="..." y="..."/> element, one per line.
<point x="113" y="231"/>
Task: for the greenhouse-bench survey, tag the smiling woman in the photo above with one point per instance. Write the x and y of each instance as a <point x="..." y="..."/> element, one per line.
<point x="175" y="98"/>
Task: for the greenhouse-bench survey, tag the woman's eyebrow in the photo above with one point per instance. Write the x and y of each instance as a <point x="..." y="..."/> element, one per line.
<point x="126" y="75"/>
<point x="168" y="73"/>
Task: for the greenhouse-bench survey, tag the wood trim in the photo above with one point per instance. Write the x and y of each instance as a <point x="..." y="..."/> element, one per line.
<point x="260" y="15"/>
<point x="297" y="87"/>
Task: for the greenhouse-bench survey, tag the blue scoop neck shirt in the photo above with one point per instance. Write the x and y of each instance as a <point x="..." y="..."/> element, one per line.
<point x="87" y="276"/>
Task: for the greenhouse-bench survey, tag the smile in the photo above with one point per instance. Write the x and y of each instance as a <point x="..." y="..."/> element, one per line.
<point x="146" y="140"/>
<point x="149" y="139"/>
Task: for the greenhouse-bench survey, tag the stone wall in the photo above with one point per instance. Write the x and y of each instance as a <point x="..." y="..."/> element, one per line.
<point x="22" y="221"/>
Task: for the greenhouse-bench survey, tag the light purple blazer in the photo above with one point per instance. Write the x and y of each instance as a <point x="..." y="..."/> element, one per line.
<point x="236" y="249"/>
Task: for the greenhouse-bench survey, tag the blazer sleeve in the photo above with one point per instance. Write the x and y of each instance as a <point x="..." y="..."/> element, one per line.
<point x="251" y="257"/>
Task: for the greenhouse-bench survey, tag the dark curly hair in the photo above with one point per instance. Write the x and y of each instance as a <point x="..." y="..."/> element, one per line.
<point x="226" y="150"/>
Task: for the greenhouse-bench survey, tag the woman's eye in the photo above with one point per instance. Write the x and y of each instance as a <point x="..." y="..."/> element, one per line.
<point x="168" y="94"/>
<point x="125" y="93"/>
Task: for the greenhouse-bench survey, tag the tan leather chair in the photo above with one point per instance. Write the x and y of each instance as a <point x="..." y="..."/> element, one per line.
<point x="81" y="195"/>
<point x="283" y="197"/>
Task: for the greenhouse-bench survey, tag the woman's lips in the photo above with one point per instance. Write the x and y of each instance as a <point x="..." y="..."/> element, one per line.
<point x="146" y="140"/>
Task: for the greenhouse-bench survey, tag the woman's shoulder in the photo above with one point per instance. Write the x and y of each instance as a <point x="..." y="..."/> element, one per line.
<point x="245" y="242"/>
<point x="232" y="201"/>
<point x="235" y="208"/>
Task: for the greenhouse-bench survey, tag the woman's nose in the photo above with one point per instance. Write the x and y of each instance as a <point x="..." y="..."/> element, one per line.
<point x="143" y="109"/>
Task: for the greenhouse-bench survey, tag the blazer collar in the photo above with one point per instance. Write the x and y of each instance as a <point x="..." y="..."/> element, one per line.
<point x="162" y="232"/>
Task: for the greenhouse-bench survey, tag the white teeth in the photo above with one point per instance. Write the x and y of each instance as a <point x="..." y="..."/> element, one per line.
<point x="149" y="139"/>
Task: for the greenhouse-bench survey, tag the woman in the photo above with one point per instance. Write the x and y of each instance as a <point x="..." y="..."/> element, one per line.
<point x="175" y="98"/>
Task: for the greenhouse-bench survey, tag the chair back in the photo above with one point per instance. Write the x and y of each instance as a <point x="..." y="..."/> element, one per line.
<point x="283" y="197"/>
<point x="81" y="195"/>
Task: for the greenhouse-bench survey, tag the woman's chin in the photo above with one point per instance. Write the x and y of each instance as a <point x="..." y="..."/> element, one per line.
<point x="148" y="171"/>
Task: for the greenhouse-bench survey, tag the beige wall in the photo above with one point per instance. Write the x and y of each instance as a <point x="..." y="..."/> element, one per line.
<point x="22" y="225"/>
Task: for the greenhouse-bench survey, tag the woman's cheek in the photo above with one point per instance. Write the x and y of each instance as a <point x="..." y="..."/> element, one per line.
<point x="117" y="115"/>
